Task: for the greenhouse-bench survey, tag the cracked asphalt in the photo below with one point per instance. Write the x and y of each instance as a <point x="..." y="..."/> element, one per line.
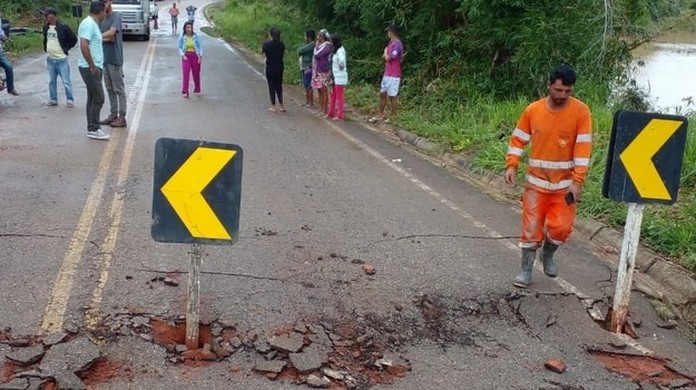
<point x="319" y="202"/>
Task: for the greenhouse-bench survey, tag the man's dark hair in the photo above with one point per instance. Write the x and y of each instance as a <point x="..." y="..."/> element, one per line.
<point x="96" y="7"/>
<point x="393" y="28"/>
<point x="274" y="32"/>
<point x="565" y="73"/>
<point x="311" y="34"/>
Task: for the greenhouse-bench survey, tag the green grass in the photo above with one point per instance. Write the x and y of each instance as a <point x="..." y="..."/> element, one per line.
<point x="19" y="45"/>
<point x="479" y="127"/>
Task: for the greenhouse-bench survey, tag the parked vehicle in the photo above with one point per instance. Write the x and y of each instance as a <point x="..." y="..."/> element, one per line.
<point x="136" y="16"/>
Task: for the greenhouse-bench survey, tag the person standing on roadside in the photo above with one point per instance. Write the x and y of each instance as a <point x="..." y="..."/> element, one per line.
<point x="321" y="69"/>
<point x="339" y="69"/>
<point x="174" y="13"/>
<point x="391" y="81"/>
<point x="112" y="43"/>
<point x="191" y="13"/>
<point x="6" y="64"/>
<point x="58" y="39"/>
<point x="274" y="50"/>
<point x="191" y="53"/>
<point x="559" y="128"/>
<point x="306" y="52"/>
<point x="90" y="62"/>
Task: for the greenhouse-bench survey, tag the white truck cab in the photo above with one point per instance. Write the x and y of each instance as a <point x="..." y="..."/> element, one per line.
<point x="136" y="16"/>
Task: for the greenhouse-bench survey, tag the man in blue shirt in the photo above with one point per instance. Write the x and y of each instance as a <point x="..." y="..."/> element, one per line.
<point x="91" y="62"/>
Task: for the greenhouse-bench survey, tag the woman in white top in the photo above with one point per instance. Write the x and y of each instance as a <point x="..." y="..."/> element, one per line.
<point x="339" y="69"/>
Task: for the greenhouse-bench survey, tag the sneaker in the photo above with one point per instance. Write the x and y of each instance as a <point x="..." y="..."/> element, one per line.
<point x="70" y="104"/>
<point x="98" y="134"/>
<point x="108" y="120"/>
<point x="13" y="92"/>
<point x="119" y="122"/>
<point x="185" y="94"/>
<point x="374" y="119"/>
<point x="51" y="104"/>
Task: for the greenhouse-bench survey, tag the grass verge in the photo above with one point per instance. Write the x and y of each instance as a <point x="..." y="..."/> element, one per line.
<point x="479" y="127"/>
<point x="19" y="45"/>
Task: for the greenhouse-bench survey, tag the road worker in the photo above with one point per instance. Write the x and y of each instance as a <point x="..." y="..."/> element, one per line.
<point x="559" y="128"/>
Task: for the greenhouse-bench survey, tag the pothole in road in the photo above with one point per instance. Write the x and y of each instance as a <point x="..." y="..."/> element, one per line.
<point x="643" y="370"/>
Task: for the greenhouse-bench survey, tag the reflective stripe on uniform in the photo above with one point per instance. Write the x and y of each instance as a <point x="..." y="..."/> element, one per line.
<point x="582" y="162"/>
<point x="522" y="135"/>
<point x="547" y="184"/>
<point x="515" y="151"/>
<point x="583" y="138"/>
<point x="551" y="164"/>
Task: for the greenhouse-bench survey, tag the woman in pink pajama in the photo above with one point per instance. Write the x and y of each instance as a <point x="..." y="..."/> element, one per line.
<point x="191" y="53"/>
<point x="339" y="70"/>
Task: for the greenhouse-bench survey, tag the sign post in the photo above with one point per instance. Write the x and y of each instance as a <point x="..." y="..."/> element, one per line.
<point x="643" y="167"/>
<point x="193" y="297"/>
<point x="196" y="200"/>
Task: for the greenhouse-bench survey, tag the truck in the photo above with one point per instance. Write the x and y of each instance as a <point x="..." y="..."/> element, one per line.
<point x="136" y="16"/>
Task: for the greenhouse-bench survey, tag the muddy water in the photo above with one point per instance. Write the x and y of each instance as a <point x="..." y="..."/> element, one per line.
<point x="667" y="70"/>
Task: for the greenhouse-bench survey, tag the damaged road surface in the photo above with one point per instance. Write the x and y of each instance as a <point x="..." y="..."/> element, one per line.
<point x="359" y="264"/>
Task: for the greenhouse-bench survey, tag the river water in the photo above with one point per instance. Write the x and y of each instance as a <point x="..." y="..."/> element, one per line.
<point x="667" y="71"/>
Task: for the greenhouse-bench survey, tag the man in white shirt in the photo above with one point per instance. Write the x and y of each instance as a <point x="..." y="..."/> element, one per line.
<point x="58" y="40"/>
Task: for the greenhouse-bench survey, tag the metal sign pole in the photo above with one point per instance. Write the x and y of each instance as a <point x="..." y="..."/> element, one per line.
<point x="193" y="297"/>
<point x="627" y="263"/>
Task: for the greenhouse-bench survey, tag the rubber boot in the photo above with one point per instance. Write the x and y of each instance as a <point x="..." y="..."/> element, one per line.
<point x="547" y="251"/>
<point x="525" y="276"/>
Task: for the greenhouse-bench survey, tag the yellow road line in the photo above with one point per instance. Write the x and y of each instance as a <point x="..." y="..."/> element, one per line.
<point x="109" y="244"/>
<point x="54" y="316"/>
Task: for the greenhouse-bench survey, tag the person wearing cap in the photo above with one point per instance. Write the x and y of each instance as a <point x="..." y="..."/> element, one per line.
<point x="58" y="39"/>
<point x="391" y="81"/>
<point x="6" y="64"/>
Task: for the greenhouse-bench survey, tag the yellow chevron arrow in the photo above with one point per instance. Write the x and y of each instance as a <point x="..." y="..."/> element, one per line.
<point x="637" y="158"/>
<point x="184" y="192"/>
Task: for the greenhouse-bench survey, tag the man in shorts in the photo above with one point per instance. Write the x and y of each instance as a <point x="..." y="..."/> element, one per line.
<point x="174" y="13"/>
<point x="391" y="81"/>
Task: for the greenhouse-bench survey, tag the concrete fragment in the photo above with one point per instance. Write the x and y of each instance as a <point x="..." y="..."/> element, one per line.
<point x="381" y="363"/>
<point x="667" y="325"/>
<point x="72" y="328"/>
<point x="216" y="330"/>
<point x="37" y="384"/>
<point x="287" y="343"/>
<point x="15" y="384"/>
<point x="262" y="346"/>
<point x="679" y="383"/>
<point x="27" y="356"/>
<point x="271" y="355"/>
<point x="618" y="344"/>
<point x="309" y="360"/>
<point x="273" y="366"/>
<point x="140" y="322"/>
<point x="170" y="282"/>
<point x="54" y="338"/>
<point x="318" y="382"/>
<point x="145" y="337"/>
<point x="62" y="361"/>
<point x="333" y="374"/>
<point x="555" y="365"/>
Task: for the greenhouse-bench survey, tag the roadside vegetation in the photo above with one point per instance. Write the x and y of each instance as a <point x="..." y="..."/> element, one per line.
<point x="471" y="66"/>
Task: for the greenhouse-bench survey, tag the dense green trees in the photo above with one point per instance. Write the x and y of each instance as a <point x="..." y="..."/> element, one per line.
<point x="501" y="46"/>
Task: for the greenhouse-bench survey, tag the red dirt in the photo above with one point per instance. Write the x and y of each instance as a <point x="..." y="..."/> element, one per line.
<point x="169" y="336"/>
<point x="638" y="368"/>
<point x="104" y="370"/>
<point x="7" y="371"/>
<point x="50" y="386"/>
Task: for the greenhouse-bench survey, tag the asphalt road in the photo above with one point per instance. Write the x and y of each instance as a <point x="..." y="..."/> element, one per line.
<point x="318" y="200"/>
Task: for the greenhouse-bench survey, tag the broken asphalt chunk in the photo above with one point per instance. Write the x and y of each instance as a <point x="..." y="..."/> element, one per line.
<point x="368" y="269"/>
<point x="273" y="366"/>
<point x="679" y="383"/>
<point x="667" y="325"/>
<point x="170" y="282"/>
<point x="318" y="382"/>
<point x="54" y="338"/>
<point x="15" y="384"/>
<point x="62" y="361"/>
<point x="27" y="356"/>
<point x="287" y="343"/>
<point x="311" y="359"/>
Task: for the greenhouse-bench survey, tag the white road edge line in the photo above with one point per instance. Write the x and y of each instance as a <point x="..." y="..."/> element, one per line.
<point x="116" y="211"/>
<point x="54" y="315"/>
<point x="564" y="284"/>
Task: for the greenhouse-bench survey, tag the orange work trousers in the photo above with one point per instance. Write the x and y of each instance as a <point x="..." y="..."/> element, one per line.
<point x="545" y="215"/>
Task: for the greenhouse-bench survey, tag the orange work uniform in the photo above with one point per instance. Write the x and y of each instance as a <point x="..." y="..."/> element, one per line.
<point x="559" y="157"/>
